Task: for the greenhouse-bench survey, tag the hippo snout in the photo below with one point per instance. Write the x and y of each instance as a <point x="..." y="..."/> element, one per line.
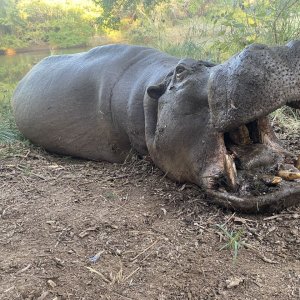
<point x="253" y="84"/>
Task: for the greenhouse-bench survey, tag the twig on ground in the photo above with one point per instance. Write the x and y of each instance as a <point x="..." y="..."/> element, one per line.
<point x="98" y="273"/>
<point x="131" y="274"/>
<point x="257" y="252"/>
<point x="146" y="249"/>
<point x="24" y="269"/>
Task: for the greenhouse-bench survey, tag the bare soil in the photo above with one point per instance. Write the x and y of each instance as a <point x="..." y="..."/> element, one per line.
<point x="75" y="229"/>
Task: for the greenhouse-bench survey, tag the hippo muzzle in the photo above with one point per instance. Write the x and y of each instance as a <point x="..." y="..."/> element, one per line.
<point x="257" y="173"/>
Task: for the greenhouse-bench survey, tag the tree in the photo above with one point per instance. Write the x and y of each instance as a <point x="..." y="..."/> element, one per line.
<point x="115" y="10"/>
<point x="9" y="17"/>
<point x="34" y="22"/>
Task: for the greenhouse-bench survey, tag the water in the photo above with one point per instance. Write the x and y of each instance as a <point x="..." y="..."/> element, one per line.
<point x="13" y="68"/>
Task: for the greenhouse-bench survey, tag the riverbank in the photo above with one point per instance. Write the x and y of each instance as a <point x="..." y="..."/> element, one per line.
<point x="36" y="48"/>
<point x="93" y="42"/>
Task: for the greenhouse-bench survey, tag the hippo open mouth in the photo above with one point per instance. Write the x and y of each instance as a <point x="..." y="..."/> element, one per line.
<point x="253" y="153"/>
<point x="258" y="173"/>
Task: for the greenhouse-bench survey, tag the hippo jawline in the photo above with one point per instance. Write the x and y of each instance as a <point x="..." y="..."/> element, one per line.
<point x="258" y="173"/>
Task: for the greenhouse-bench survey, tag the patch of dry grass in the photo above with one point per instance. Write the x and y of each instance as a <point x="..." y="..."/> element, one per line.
<point x="287" y="118"/>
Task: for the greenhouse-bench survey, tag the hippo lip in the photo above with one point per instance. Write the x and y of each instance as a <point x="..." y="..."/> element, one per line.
<point x="258" y="173"/>
<point x="275" y="201"/>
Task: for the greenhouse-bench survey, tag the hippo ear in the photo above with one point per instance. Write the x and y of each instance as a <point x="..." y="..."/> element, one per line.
<point x="155" y="91"/>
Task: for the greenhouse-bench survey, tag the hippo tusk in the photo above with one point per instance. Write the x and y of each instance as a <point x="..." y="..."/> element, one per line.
<point x="271" y="180"/>
<point x="288" y="175"/>
<point x="240" y="135"/>
<point x="231" y="173"/>
<point x="276" y="180"/>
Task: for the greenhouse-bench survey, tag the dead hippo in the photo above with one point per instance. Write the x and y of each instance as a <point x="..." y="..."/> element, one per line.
<point x="199" y="122"/>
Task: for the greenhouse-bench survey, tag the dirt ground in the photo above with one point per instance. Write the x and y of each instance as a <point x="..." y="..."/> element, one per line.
<point x="75" y="229"/>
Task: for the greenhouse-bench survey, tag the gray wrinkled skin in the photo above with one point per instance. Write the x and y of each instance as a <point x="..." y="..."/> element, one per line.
<point x="103" y="103"/>
<point x="271" y="76"/>
<point x="90" y="104"/>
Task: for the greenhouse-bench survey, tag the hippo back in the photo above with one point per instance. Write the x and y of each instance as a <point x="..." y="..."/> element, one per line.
<point x="89" y="104"/>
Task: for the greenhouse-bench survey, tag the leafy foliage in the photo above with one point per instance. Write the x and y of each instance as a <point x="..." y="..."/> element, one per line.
<point x="115" y="10"/>
<point x="37" y="22"/>
<point x="215" y="28"/>
<point x="241" y="23"/>
<point x="69" y="33"/>
<point x="218" y="28"/>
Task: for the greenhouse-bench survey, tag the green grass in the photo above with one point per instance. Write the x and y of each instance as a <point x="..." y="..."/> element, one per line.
<point x="233" y="240"/>
<point x="9" y="132"/>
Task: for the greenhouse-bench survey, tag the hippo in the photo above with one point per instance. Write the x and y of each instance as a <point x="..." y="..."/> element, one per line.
<point x="199" y="122"/>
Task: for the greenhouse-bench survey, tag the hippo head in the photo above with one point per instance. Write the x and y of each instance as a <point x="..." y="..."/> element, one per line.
<point x="208" y="124"/>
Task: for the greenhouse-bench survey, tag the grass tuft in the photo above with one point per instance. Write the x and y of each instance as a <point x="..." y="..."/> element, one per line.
<point x="11" y="140"/>
<point x="8" y="128"/>
<point x="8" y="135"/>
<point x="287" y="118"/>
<point x="234" y="240"/>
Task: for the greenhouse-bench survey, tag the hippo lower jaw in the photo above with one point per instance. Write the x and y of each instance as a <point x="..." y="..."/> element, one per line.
<point x="275" y="201"/>
<point x="258" y="174"/>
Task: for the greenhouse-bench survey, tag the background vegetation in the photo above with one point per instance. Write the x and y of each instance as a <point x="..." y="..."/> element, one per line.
<point x="25" y="23"/>
<point x="204" y="29"/>
<point x="195" y="28"/>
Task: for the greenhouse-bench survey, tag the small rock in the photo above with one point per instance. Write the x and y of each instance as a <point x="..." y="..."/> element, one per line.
<point x="233" y="282"/>
<point x="52" y="283"/>
<point x="118" y="252"/>
<point x="43" y="296"/>
<point x="58" y="262"/>
<point x="96" y="257"/>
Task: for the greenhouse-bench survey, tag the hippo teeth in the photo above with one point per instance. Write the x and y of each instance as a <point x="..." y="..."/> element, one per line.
<point x="271" y="180"/>
<point x="254" y="160"/>
<point x="240" y="135"/>
<point x="288" y="175"/>
<point x="231" y="172"/>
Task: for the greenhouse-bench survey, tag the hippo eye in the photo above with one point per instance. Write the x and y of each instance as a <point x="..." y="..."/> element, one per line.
<point x="179" y="71"/>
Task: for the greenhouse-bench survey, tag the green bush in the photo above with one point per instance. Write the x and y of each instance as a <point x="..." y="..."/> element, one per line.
<point x="68" y="33"/>
<point x="11" y="41"/>
<point x="26" y="23"/>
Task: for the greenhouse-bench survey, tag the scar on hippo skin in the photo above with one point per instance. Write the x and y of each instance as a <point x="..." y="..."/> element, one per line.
<point x="199" y="122"/>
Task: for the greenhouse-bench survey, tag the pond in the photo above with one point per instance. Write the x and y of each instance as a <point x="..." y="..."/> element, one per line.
<point x="13" y="68"/>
